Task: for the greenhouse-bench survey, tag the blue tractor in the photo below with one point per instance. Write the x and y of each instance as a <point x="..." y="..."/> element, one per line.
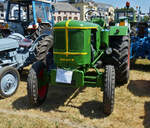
<point x="30" y="23"/>
<point x="30" y="18"/>
<point x="140" y="44"/>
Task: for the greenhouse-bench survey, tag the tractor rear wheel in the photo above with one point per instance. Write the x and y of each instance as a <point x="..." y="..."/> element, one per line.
<point x="43" y="29"/>
<point x="109" y="89"/>
<point x="9" y="81"/>
<point x="120" y="58"/>
<point x="45" y="43"/>
<point x="37" y="84"/>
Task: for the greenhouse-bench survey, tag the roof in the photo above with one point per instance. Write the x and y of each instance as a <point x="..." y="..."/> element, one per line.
<point x="104" y="5"/>
<point x="65" y="7"/>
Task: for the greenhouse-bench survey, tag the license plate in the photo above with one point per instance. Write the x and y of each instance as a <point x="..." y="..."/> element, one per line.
<point x="63" y="76"/>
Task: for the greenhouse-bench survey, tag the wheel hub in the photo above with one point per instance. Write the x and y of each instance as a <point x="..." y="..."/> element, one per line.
<point x="9" y="83"/>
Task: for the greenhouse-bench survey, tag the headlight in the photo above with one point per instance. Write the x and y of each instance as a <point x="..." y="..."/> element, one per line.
<point x="108" y="51"/>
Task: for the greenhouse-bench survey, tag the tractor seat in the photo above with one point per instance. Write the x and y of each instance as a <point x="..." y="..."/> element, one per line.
<point x="26" y="43"/>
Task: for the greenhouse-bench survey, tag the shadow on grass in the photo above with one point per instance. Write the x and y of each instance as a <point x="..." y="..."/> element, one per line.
<point x="21" y="103"/>
<point x="141" y="88"/>
<point x="57" y="96"/>
<point x="140" y="67"/>
<point x="92" y="109"/>
<point x="24" y="75"/>
<point x="146" y="121"/>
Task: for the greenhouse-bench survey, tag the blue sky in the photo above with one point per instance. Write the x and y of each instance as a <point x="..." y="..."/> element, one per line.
<point x="145" y="4"/>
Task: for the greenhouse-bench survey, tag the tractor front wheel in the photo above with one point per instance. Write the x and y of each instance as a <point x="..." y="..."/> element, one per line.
<point x="109" y="89"/>
<point x="37" y="84"/>
<point x="9" y="81"/>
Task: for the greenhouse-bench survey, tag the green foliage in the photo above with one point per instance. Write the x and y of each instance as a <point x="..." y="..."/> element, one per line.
<point x="125" y="9"/>
<point x="146" y="18"/>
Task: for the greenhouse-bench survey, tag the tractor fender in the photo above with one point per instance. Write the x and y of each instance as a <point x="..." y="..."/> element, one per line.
<point x="16" y="36"/>
<point x="11" y="42"/>
<point x="119" y="31"/>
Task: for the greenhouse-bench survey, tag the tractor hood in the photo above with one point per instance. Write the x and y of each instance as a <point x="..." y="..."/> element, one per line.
<point x="72" y="43"/>
<point x="8" y="43"/>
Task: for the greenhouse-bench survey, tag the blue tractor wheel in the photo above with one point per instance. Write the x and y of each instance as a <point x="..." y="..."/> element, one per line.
<point x="9" y="81"/>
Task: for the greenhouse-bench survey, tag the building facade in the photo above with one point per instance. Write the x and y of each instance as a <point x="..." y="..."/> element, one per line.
<point x="83" y="6"/>
<point x="106" y="10"/>
<point x="3" y="7"/>
<point x="64" y="11"/>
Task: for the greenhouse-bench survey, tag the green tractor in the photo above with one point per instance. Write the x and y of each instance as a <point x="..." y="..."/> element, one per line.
<point x="79" y="47"/>
<point x="126" y="17"/>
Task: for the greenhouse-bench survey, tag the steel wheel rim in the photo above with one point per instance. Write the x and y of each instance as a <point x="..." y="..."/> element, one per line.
<point x="9" y="83"/>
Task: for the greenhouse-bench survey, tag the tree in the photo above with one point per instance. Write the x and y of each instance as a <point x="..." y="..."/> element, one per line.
<point x="146" y="18"/>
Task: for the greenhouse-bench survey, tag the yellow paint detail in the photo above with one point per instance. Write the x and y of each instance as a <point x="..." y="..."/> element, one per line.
<point x="63" y="59"/>
<point x="70" y="53"/>
<point x="75" y="27"/>
<point x="67" y="38"/>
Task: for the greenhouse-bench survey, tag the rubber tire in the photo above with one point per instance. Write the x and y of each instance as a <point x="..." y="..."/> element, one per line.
<point x="42" y="29"/>
<point x="120" y="58"/>
<point x="3" y="71"/>
<point x="45" y="43"/>
<point x="32" y="85"/>
<point x="109" y="89"/>
<point x="133" y="31"/>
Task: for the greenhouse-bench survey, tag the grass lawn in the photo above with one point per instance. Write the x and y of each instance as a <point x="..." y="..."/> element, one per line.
<point x="63" y="109"/>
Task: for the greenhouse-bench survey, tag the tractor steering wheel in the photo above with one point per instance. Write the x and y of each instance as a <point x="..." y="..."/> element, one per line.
<point x="89" y="15"/>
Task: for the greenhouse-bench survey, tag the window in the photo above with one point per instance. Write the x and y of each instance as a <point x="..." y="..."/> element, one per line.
<point x="78" y="8"/>
<point x="2" y="15"/>
<point x="65" y="18"/>
<point x="70" y="18"/>
<point x="59" y="18"/>
<point x="48" y="14"/>
<point x="14" y="13"/>
<point x="39" y="11"/>
<point x="75" y="18"/>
